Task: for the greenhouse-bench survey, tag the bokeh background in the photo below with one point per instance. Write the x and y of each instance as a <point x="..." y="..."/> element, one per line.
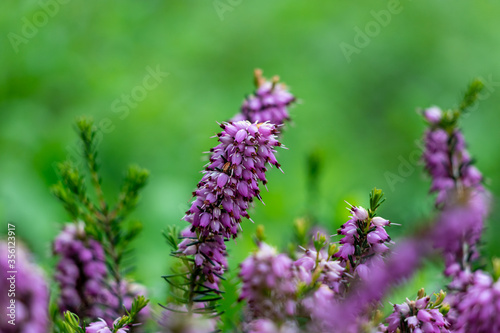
<point x="357" y="114"/>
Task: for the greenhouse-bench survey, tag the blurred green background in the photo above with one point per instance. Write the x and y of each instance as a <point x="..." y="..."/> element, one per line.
<point x="358" y="115"/>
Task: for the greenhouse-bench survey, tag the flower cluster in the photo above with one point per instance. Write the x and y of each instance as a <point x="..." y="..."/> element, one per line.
<point x="329" y="271"/>
<point x="364" y="237"/>
<point x="475" y="304"/>
<point x="227" y="188"/>
<point x="209" y="254"/>
<point x="269" y="103"/>
<point x="420" y="315"/>
<point x="27" y="287"/>
<point x="446" y="158"/>
<point x="268" y="285"/>
<point x="461" y="195"/>
<point x="458" y="231"/>
<point x="230" y="180"/>
<point x="81" y="272"/>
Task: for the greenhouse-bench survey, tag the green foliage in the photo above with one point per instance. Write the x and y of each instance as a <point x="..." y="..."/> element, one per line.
<point x="471" y="95"/>
<point x="139" y="303"/>
<point x="172" y="237"/>
<point x="104" y="222"/>
<point x="71" y="323"/>
<point x="376" y="199"/>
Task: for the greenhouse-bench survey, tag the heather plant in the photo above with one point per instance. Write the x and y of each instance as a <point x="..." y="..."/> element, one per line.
<point x="92" y="249"/>
<point x="322" y="281"/>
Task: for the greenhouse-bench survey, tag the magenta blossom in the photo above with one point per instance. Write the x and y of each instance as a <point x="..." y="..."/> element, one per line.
<point x="230" y="180"/>
<point x="270" y="102"/>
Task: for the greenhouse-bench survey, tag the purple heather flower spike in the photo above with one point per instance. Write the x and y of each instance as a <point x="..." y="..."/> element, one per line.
<point x="82" y="276"/>
<point x="461" y="196"/>
<point x="210" y="254"/>
<point x="269" y="103"/>
<point x="448" y="163"/>
<point x="230" y="181"/>
<point x="268" y="285"/>
<point x="30" y="312"/>
<point x="81" y="281"/>
<point x="475" y="303"/>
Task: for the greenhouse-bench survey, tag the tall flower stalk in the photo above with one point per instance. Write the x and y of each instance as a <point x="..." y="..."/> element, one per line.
<point x="461" y="196"/>
<point x="225" y="193"/>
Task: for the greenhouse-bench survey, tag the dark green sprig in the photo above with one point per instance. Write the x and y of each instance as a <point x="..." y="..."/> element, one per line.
<point x="109" y="226"/>
<point x="139" y="303"/>
<point x="172" y="237"/>
<point x="60" y="191"/>
<point x="135" y="180"/>
<point x="87" y="133"/>
<point x="376" y="199"/>
<point x="471" y="95"/>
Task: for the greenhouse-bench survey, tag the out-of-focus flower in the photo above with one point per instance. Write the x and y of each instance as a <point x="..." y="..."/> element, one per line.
<point x="86" y="287"/>
<point x="180" y="321"/>
<point x="270" y="102"/>
<point x="433" y="115"/>
<point x="347" y="314"/>
<point x="268" y="286"/>
<point x="102" y="327"/>
<point x="475" y="303"/>
<point x="447" y="160"/>
<point x="263" y="325"/>
<point x="459" y="228"/>
<point x="81" y="272"/>
<point x="330" y="271"/>
<point x="24" y="296"/>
